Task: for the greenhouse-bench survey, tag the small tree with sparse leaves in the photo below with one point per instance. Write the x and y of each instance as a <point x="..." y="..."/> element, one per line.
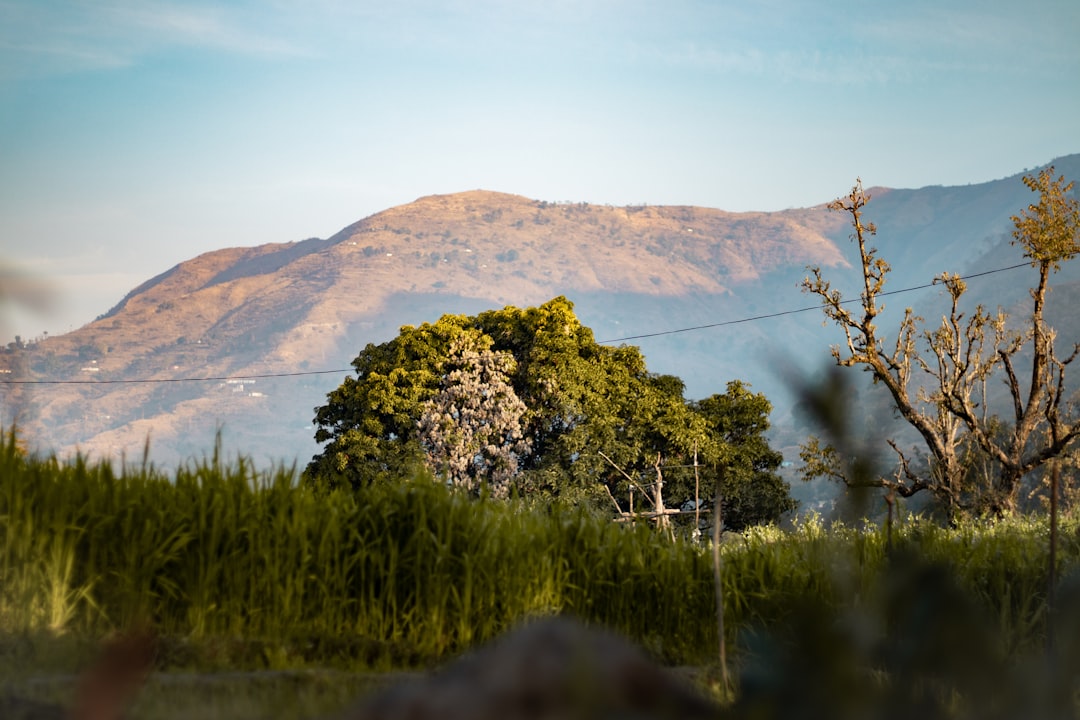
<point x="938" y="378"/>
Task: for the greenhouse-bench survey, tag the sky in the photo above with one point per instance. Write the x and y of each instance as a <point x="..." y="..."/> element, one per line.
<point x="136" y="134"/>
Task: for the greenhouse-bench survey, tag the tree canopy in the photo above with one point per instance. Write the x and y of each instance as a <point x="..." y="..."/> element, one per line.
<point x="525" y="401"/>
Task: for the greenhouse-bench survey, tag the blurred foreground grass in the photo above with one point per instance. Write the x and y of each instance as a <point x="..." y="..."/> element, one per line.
<point x="290" y="695"/>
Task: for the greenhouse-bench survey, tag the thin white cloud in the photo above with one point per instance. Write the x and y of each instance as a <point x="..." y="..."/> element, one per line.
<point x="212" y="27"/>
<point x="62" y="37"/>
<point x="809" y="65"/>
<point x="978" y="36"/>
<point x="870" y="43"/>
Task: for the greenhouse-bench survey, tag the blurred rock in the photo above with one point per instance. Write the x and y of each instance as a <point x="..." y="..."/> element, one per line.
<point x="554" y="668"/>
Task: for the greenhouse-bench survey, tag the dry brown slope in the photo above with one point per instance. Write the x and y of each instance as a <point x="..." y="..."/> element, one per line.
<point x="286" y="307"/>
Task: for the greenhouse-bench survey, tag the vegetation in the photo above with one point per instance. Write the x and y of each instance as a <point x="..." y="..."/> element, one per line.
<point x="220" y="550"/>
<point x="393" y="574"/>
<point x="940" y="380"/>
<point x="472" y="427"/>
<point x="235" y="568"/>
<point x="526" y="401"/>
<point x="447" y="507"/>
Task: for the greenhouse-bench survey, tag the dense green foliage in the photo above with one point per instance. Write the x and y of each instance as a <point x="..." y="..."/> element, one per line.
<point x="752" y="491"/>
<point x="582" y="401"/>
<point x="267" y="572"/>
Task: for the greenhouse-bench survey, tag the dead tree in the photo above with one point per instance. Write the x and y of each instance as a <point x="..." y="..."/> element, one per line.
<point x="937" y="378"/>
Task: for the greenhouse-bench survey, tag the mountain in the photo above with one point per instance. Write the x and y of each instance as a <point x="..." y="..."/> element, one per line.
<point x="312" y="305"/>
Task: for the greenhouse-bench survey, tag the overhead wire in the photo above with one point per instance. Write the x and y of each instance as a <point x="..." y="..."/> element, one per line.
<point x="642" y="336"/>
<point x="220" y="378"/>
<point x="795" y="311"/>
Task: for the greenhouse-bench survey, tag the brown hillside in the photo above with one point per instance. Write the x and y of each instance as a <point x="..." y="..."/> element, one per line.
<point x="313" y="304"/>
<point x="632" y="272"/>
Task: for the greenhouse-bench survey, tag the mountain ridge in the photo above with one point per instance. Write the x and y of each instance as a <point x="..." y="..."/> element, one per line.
<point x="313" y="304"/>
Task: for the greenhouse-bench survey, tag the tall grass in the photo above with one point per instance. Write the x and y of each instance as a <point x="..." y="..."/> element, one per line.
<point x="220" y="555"/>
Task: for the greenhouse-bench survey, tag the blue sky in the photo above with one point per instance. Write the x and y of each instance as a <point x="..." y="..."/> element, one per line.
<point x="135" y="134"/>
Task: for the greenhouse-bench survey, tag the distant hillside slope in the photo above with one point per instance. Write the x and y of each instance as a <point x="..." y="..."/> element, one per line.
<point x="312" y="305"/>
<point x="923" y="232"/>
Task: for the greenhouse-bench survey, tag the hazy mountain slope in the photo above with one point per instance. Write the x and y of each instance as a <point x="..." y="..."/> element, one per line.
<point x="924" y="232"/>
<point x="311" y="305"/>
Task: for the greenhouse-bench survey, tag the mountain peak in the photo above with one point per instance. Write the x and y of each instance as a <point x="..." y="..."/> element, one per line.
<point x="478" y="195"/>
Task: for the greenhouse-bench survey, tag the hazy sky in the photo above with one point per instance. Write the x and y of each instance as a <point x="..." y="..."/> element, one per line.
<point x="135" y="134"/>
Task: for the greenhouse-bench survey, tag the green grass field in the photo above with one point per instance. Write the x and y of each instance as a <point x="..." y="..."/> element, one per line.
<point x="239" y="569"/>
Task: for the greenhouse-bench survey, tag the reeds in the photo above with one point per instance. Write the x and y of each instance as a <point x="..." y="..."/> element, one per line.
<point x="221" y="558"/>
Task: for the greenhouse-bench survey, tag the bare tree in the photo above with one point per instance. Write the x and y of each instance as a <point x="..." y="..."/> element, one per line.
<point x="938" y="378"/>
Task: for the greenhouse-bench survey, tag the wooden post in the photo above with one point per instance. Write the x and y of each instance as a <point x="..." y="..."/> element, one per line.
<point x="890" y="498"/>
<point x="1052" y="575"/>
<point x="658" y="496"/>
<point x="697" y="495"/>
<point x="718" y="521"/>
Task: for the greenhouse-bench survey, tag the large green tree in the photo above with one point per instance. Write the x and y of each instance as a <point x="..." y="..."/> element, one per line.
<point x="526" y="400"/>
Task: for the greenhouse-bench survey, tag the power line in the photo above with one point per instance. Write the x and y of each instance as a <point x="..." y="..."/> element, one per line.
<point x="659" y="333"/>
<point x="795" y="311"/>
<point x="173" y="380"/>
